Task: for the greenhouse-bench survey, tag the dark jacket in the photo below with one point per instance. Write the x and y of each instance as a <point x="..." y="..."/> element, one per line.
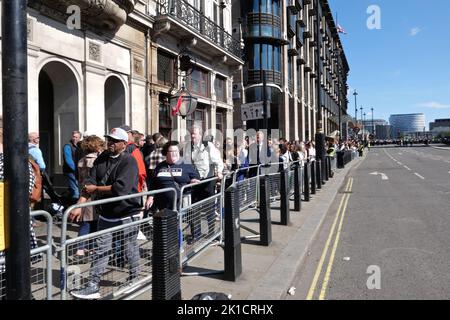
<point x="181" y="174"/>
<point x="70" y="158"/>
<point x="124" y="181"/>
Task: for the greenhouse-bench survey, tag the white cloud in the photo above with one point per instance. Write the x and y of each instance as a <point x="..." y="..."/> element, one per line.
<point x="414" y="31"/>
<point x="434" y="105"/>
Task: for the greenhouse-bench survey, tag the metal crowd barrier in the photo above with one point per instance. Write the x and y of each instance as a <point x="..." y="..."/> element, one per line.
<point x="134" y="238"/>
<point x="41" y="264"/>
<point x="200" y="222"/>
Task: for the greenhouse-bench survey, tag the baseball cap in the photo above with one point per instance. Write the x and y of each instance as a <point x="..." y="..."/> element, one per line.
<point x="118" y="134"/>
<point x="125" y="128"/>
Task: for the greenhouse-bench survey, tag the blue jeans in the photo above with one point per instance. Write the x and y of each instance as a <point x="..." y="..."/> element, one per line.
<point x="87" y="227"/>
<point x="103" y="249"/>
<point x="73" y="186"/>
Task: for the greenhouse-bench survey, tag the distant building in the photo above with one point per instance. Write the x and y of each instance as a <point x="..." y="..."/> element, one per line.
<point x="383" y="132"/>
<point x="407" y="123"/>
<point x="370" y="126"/>
<point x="440" y="125"/>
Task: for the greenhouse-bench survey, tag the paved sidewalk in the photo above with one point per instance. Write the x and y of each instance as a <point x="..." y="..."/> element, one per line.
<point x="267" y="272"/>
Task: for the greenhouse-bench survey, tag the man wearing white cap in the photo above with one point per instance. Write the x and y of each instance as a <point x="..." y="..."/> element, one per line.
<point x="115" y="173"/>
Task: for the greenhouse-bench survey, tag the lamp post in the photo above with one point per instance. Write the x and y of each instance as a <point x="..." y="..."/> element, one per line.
<point x="361" y="109"/>
<point x="15" y="209"/>
<point x="364" y="127"/>
<point x="373" y="128"/>
<point x="356" y="106"/>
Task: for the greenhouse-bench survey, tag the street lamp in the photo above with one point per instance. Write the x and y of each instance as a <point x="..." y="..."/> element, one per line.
<point x="182" y="102"/>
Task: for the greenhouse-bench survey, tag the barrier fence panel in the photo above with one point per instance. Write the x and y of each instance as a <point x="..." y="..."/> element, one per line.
<point x="200" y="222"/>
<point x="248" y="193"/>
<point x="121" y="255"/>
<point x="41" y="261"/>
<point x="40" y="264"/>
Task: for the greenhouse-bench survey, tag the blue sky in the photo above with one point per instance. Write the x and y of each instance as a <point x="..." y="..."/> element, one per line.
<point x="404" y="67"/>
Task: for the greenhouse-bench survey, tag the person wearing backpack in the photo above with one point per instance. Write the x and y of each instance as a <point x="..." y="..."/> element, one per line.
<point x="32" y="189"/>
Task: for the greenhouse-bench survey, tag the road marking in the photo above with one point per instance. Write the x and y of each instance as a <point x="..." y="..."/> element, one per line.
<point x="419" y="176"/>
<point x="407" y="168"/>
<point x="327" y="245"/>
<point x="383" y="176"/>
<point x="400" y="163"/>
<point x="401" y="154"/>
<point x="330" y="263"/>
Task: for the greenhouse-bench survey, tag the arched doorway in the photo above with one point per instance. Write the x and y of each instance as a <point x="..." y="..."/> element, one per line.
<point x="114" y="103"/>
<point x="58" y="114"/>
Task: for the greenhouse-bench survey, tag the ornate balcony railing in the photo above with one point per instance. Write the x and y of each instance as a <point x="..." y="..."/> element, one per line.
<point x="195" y="19"/>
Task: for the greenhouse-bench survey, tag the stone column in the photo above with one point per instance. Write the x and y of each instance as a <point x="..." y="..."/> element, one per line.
<point x="94" y="79"/>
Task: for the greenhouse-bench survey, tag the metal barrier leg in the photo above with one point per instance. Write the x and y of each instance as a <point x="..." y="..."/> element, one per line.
<point x="319" y="174"/>
<point x="284" y="191"/>
<point x="265" y="221"/>
<point x="232" y="251"/>
<point x="166" y="284"/>
<point x="298" y="188"/>
<point x="313" y="177"/>
<point x="306" y="181"/>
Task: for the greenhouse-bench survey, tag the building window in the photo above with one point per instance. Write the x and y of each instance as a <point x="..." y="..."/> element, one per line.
<point x="166" y="69"/>
<point x="220" y="88"/>
<point x="165" y="120"/>
<point x="219" y="124"/>
<point x="197" y="118"/>
<point x="198" y="83"/>
<point x="265" y="57"/>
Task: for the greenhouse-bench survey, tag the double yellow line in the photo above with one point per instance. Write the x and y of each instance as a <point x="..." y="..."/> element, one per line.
<point x="326" y="279"/>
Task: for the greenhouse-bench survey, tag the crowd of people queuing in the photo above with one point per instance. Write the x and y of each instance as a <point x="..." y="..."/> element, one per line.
<point x="125" y="162"/>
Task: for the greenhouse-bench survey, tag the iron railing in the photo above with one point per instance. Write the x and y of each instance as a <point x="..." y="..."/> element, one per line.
<point x="189" y="15"/>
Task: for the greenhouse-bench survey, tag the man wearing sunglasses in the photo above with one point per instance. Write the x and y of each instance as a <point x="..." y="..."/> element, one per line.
<point x="114" y="174"/>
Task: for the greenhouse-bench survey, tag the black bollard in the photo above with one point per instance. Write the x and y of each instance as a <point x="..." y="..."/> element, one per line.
<point x="326" y="167"/>
<point x="284" y="191"/>
<point x="298" y="187"/>
<point x="166" y="284"/>
<point x="330" y="170"/>
<point x="319" y="174"/>
<point x="313" y="177"/>
<point x="232" y="252"/>
<point x="306" y="189"/>
<point x="265" y="220"/>
<point x="340" y="160"/>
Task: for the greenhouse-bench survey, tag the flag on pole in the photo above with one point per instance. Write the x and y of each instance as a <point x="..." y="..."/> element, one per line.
<point x="340" y="29"/>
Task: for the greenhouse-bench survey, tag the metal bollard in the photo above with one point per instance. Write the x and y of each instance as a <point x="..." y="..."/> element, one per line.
<point x="330" y="169"/>
<point x="313" y="177"/>
<point x="298" y="187"/>
<point x="319" y="174"/>
<point x="306" y="181"/>
<point x="326" y="168"/>
<point x="166" y="284"/>
<point x="232" y="251"/>
<point x="340" y="160"/>
<point x="284" y="191"/>
<point x="265" y="220"/>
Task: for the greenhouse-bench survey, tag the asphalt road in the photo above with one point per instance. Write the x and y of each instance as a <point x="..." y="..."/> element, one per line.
<point x="385" y="237"/>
